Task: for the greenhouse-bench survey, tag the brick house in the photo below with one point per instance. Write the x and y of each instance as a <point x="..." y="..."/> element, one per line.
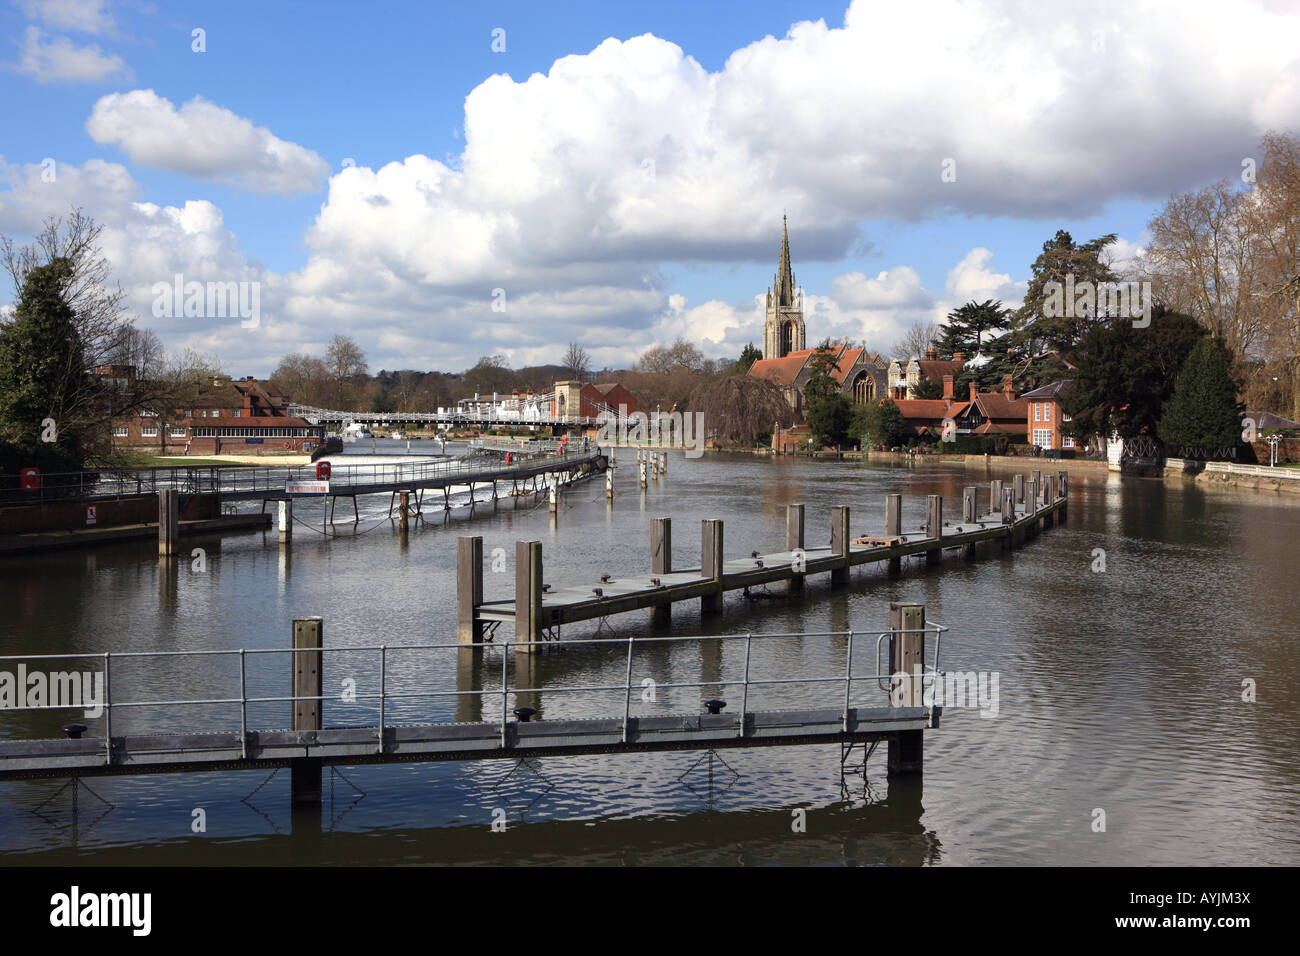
<point x="575" y="399"/>
<point x="220" y="417"/>
<point x="1044" y="415"/>
<point x="904" y="379"/>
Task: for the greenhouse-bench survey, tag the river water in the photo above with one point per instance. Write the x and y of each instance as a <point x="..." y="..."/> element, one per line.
<point x="1120" y="691"/>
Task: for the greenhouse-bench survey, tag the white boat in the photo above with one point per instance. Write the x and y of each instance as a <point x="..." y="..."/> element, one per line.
<point x="398" y="435"/>
<point x="354" y="431"/>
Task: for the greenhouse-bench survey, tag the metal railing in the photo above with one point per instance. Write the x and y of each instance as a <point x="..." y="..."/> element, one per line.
<point x="1232" y="468"/>
<point x="845" y="677"/>
<point x="255" y="480"/>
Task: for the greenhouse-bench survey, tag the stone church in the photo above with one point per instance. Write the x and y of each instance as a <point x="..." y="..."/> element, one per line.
<point x="861" y="375"/>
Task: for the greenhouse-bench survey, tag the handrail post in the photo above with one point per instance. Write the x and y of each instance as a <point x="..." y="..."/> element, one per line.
<point x="505" y="692"/>
<point x="108" y="712"/>
<point x="243" y="707"/>
<point x="383" y="666"/>
<point x="848" y="681"/>
<point x="744" y="694"/>
<point x="627" y="695"/>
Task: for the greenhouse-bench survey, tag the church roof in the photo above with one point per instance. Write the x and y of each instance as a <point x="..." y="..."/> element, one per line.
<point x="782" y="370"/>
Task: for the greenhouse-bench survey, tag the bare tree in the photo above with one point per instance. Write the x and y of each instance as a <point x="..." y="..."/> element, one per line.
<point x="98" y="302"/>
<point x="916" y="340"/>
<point x="1204" y="259"/>
<point x="345" y="362"/>
<point x="576" y="362"/>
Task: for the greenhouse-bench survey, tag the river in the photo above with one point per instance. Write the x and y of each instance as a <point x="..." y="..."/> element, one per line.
<point x="1120" y="690"/>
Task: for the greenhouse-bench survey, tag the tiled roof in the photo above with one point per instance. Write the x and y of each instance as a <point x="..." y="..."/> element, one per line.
<point x="936" y="369"/>
<point x="1001" y="428"/>
<point x="995" y="405"/>
<point x="1054" y="390"/>
<point x="782" y="370"/>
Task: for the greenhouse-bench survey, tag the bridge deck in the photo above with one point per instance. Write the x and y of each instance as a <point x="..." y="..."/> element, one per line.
<point x="178" y="753"/>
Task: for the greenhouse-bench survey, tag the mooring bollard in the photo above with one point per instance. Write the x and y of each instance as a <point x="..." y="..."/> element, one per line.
<point x="661" y="562"/>
<point x="308" y="689"/>
<point x="609" y="483"/>
<point x="893" y="530"/>
<point x="169" y="523"/>
<point x="404" y="502"/>
<point x="640" y="464"/>
<point x="794" y="542"/>
<point x="554" y="495"/>
<point x="711" y="564"/>
<point x="968" y="516"/>
<point x="469" y="589"/>
<point x="906" y="664"/>
<point x="934" y="527"/>
<point x="286" y="519"/>
<point x="840" y="544"/>
<point x="528" y="596"/>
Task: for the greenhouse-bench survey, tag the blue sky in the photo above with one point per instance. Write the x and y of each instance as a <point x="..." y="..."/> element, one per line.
<point x="619" y="170"/>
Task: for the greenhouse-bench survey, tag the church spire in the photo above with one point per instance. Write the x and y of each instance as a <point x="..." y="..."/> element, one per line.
<point x="784" y="285"/>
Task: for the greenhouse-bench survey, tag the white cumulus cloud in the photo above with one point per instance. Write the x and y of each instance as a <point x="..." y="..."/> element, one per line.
<point x="204" y="140"/>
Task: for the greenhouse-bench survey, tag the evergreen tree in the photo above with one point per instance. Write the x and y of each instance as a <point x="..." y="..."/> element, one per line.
<point x="1126" y="375"/>
<point x="968" y="326"/>
<point x="1203" y="416"/>
<point x="927" y="388"/>
<point x="748" y="357"/>
<point x="1036" y="330"/>
<point x="45" y="395"/>
<point x="878" y="423"/>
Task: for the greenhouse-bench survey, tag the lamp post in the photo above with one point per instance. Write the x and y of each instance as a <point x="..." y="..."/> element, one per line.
<point x="1273" y="441"/>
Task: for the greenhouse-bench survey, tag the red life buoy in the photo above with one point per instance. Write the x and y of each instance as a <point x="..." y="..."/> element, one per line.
<point x="288" y="444"/>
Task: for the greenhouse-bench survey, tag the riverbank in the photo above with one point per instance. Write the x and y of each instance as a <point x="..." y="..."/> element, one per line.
<point x="17" y="544"/>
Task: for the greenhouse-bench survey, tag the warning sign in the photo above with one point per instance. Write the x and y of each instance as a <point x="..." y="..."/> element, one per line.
<point x="307" y="487"/>
<point x="92" y="515"/>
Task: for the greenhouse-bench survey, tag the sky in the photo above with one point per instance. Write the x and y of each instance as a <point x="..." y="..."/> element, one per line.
<point x="447" y="181"/>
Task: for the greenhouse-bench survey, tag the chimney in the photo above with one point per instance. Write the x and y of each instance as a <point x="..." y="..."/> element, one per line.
<point x="959" y="356"/>
<point x="1008" y="388"/>
<point x="947" y="387"/>
<point x="931" y="354"/>
<point x="972" y="390"/>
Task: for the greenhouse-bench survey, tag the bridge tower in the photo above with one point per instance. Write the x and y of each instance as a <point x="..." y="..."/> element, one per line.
<point x="568" y="399"/>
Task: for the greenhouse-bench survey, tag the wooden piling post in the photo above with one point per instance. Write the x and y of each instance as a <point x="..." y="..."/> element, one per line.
<point x="968" y="515"/>
<point x="661" y="562"/>
<point x="528" y="595"/>
<point x="1049" y="498"/>
<point x="893" y="528"/>
<point x="663" y="464"/>
<point x="934" y="527"/>
<point x="906" y="662"/>
<point x="840" y="544"/>
<point x="995" y="496"/>
<point x="640" y="465"/>
<point x="1008" y="516"/>
<point x="404" y="502"/>
<point x="553" y="494"/>
<point x="286" y="519"/>
<point x="794" y="541"/>
<point x="711" y="564"/>
<point x="469" y="589"/>
<point x="1062" y="488"/>
<point x="1032" y="503"/>
<point x="308" y="688"/>
<point x="169" y="522"/>
<point x="609" y="483"/>
<point x="1019" y="486"/>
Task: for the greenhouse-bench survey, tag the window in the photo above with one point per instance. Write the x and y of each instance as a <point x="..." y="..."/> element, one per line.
<point x="119" y="431"/>
<point x="1066" y="418"/>
<point x="146" y="413"/>
<point x="1038" y="412"/>
<point x="1043" y="437"/>
<point x="148" y="431"/>
<point x="1067" y="441"/>
<point x="177" y="431"/>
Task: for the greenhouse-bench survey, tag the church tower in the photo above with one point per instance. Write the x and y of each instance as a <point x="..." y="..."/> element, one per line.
<point x="783" y="330"/>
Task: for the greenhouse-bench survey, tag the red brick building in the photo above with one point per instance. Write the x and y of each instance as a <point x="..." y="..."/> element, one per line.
<point x="221" y="417"/>
<point x="1044" y="415"/>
